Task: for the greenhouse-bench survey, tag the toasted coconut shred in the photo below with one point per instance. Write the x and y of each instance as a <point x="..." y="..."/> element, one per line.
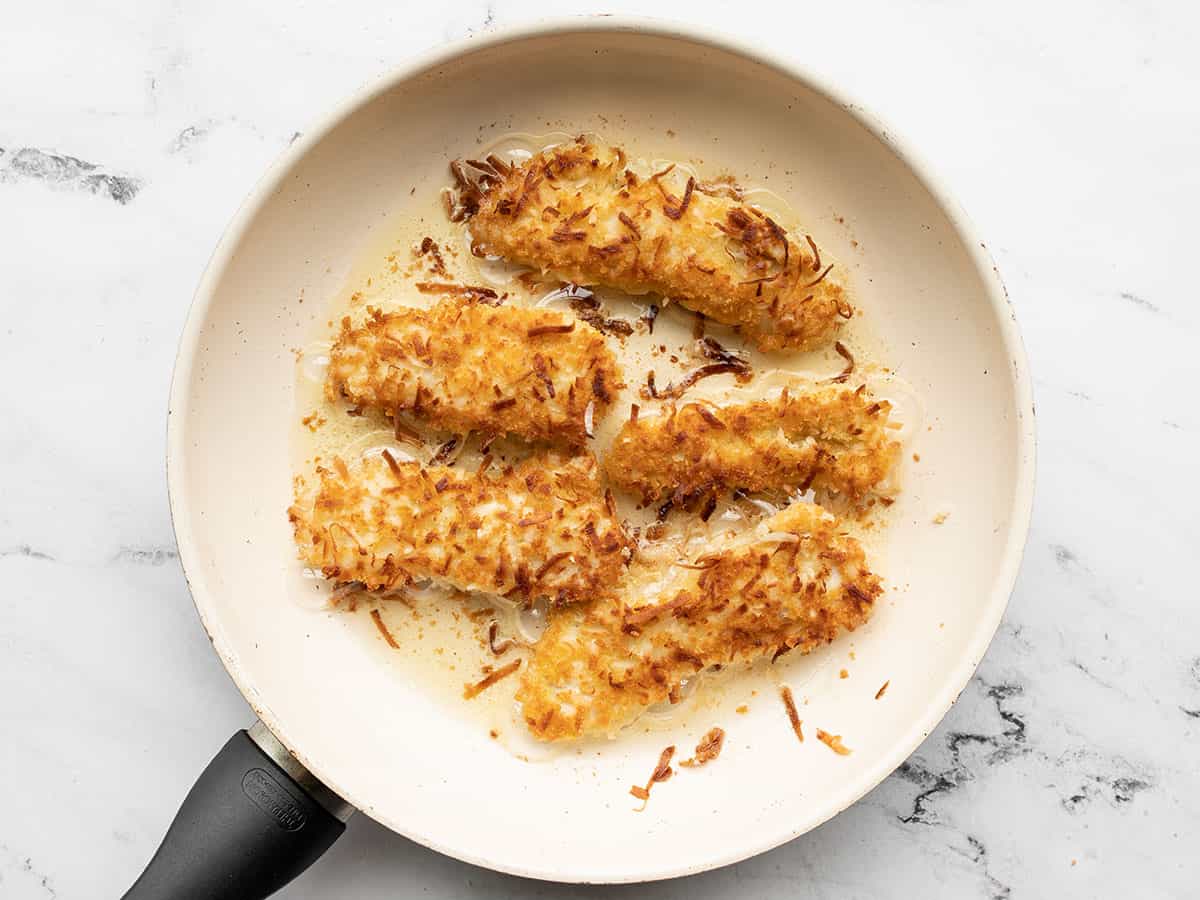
<point x="662" y="772"/>
<point x="607" y="584"/>
<point x="471" y="691"/>
<point x="377" y="618"/>
<point x="833" y="742"/>
<point x="707" y="750"/>
<point x="498" y="649"/>
<point x="789" y="704"/>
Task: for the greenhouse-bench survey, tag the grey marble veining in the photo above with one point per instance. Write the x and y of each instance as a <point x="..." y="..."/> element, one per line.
<point x="129" y="133"/>
<point x="61" y="171"/>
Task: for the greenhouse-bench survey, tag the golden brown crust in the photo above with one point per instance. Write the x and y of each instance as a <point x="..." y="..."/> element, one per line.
<point x="795" y="582"/>
<point x="830" y="438"/>
<point x="541" y="529"/>
<point x="465" y="365"/>
<point x="576" y="212"/>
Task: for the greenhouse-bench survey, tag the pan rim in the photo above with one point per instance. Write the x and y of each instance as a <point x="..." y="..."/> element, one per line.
<point x="1021" y="513"/>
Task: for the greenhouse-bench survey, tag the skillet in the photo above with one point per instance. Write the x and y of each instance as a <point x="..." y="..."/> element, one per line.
<point x="337" y="731"/>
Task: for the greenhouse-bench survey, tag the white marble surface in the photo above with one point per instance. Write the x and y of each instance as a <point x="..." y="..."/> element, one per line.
<point x="1070" y="131"/>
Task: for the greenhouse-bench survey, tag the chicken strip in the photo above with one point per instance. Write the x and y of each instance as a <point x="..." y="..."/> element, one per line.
<point x="541" y="529"/>
<point x="831" y="438"/>
<point x="465" y="365"/>
<point x="793" y="582"/>
<point x="576" y="212"/>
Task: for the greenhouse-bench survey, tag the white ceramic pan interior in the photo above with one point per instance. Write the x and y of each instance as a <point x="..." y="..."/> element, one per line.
<point x="391" y="746"/>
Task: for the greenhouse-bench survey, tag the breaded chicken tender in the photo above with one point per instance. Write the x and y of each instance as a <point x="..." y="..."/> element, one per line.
<point x="541" y="529"/>
<point x="465" y="365"/>
<point x="794" y="582"/>
<point x="577" y="213"/>
<point x="831" y="438"/>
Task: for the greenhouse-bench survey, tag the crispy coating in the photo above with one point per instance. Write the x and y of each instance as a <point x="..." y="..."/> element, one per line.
<point x="794" y="582"/>
<point x="541" y="529"/>
<point x="465" y="365"/>
<point x="576" y="212"/>
<point x="831" y="438"/>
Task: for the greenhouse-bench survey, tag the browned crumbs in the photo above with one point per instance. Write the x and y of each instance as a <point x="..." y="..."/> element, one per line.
<point x="429" y="248"/>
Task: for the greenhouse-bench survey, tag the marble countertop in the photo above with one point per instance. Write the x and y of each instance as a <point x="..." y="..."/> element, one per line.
<point x="130" y="131"/>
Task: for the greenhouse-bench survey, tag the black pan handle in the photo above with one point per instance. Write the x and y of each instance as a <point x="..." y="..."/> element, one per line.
<point x="253" y="821"/>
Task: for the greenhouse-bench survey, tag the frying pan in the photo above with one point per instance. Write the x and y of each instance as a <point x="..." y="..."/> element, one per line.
<point x="337" y="730"/>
